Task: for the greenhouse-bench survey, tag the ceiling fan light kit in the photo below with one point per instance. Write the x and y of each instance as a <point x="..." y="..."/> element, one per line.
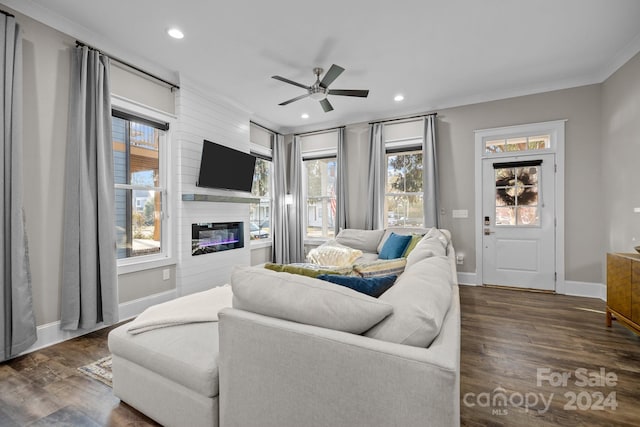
<point x="320" y="89"/>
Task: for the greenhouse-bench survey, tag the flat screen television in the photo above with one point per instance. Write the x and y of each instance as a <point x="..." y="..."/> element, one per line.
<point x="225" y="168"/>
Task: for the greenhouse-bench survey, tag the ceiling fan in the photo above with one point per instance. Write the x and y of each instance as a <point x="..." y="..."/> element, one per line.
<point x="320" y="89"/>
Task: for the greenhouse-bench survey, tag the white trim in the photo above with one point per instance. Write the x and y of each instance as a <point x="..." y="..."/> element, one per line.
<point x="50" y="333"/>
<point x="585" y="289"/>
<point x="167" y="166"/>
<point x="260" y="243"/>
<point x="467" y="279"/>
<point x="557" y="130"/>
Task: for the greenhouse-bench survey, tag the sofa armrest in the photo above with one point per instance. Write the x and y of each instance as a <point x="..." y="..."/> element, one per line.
<point x="279" y="373"/>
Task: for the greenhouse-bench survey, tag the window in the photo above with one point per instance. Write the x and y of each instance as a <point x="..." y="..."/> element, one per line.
<point x="403" y="189"/>
<point x="260" y="213"/>
<point x="517" y="195"/>
<point x="320" y="182"/>
<point x="525" y="143"/>
<point x="140" y="186"/>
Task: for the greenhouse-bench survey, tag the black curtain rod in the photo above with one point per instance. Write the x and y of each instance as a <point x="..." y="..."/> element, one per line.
<point x="403" y="118"/>
<point x="313" y="132"/>
<point x="8" y="14"/>
<point x="264" y="127"/>
<point x="126" y="64"/>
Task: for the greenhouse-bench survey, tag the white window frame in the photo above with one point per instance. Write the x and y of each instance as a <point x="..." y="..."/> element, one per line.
<point x="399" y="147"/>
<point x="314" y="155"/>
<point x="166" y="153"/>
<point x="266" y="152"/>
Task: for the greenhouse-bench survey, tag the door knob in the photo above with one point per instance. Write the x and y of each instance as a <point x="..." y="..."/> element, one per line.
<point x="487" y="231"/>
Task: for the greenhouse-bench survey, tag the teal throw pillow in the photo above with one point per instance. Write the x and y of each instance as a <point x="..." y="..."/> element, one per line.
<point x="372" y="286"/>
<point x="394" y="246"/>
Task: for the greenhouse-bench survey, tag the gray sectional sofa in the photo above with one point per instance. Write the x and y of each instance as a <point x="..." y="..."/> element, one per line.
<point x="291" y="352"/>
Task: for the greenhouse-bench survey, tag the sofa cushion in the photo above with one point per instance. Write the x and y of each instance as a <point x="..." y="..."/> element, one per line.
<point x="186" y="354"/>
<point x="415" y="238"/>
<point x="365" y="240"/>
<point x="400" y="230"/>
<point x="380" y="267"/>
<point x="394" y="246"/>
<point x="372" y="286"/>
<point x="434" y="243"/>
<point x="420" y="298"/>
<point x="305" y="300"/>
<point x="309" y="270"/>
<point x="333" y="253"/>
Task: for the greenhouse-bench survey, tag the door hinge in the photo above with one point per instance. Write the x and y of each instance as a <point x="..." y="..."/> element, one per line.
<point x="555" y="167"/>
<point x="555" y="277"/>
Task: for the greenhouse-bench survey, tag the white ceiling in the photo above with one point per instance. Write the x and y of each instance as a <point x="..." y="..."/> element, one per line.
<point x="437" y="53"/>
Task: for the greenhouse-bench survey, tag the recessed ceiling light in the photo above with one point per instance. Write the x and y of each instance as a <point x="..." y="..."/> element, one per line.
<point x="304" y="116"/>
<point x="398" y="98"/>
<point x="175" y="33"/>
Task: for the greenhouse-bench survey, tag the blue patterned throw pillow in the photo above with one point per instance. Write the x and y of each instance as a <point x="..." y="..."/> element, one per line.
<point x="373" y="286"/>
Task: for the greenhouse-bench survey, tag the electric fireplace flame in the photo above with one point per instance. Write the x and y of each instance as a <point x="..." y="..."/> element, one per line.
<point x="210" y="237"/>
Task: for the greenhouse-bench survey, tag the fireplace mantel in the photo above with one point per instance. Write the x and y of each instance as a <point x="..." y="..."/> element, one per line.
<point x="194" y="197"/>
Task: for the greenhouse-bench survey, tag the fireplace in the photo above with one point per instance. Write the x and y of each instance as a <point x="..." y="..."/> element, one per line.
<point x="209" y="237"/>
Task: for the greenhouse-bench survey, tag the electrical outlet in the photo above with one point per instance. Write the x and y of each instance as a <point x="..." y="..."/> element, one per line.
<point x="166" y="274"/>
<point x="459" y="259"/>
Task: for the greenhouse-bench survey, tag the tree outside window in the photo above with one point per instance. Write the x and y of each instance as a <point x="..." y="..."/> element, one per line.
<point x="321" y="182"/>
<point x="403" y="192"/>
<point x="260" y="213"/>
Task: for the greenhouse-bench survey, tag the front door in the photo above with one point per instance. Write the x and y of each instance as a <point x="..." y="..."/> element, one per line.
<point x="518" y="228"/>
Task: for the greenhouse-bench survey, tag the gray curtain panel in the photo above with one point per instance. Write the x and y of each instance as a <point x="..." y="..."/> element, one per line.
<point x="297" y="208"/>
<point x="279" y="217"/>
<point x="377" y="171"/>
<point x="430" y="173"/>
<point x="341" y="184"/>
<point x="17" y="322"/>
<point x="89" y="276"/>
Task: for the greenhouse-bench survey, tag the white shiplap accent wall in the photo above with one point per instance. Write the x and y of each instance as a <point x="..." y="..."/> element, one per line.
<point x="203" y="116"/>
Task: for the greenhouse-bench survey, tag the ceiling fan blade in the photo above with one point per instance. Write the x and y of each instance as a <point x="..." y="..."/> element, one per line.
<point x="295" y="99"/>
<point x="291" y="82"/>
<point x="326" y="105"/>
<point x="349" y="92"/>
<point x="331" y="75"/>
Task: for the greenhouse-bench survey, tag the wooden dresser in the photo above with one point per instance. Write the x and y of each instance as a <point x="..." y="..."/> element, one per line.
<point x="623" y="289"/>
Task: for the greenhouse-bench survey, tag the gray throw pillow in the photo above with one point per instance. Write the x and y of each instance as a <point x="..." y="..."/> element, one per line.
<point x="365" y="240"/>
<point x="305" y="300"/>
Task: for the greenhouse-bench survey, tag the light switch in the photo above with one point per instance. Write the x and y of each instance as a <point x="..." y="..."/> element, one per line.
<point x="460" y="213"/>
<point x="166" y="274"/>
<point x="636" y="210"/>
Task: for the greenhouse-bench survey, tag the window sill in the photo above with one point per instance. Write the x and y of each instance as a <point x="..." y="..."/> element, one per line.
<point x="130" y="266"/>
<point x="258" y="244"/>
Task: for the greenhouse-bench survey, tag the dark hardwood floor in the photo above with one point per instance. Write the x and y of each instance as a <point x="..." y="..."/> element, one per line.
<point x="507" y="337"/>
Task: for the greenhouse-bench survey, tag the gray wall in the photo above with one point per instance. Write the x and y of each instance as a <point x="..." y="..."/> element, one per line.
<point x="455" y="128"/>
<point x="621" y="155"/>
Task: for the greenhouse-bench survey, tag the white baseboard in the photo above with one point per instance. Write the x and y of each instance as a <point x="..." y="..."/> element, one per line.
<point x="50" y="333"/>
<point x="578" y="289"/>
<point x="585" y="289"/>
<point x="470" y="279"/>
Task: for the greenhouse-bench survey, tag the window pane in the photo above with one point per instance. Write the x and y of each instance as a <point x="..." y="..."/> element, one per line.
<point x="496" y="146"/>
<point x="120" y="163"/>
<point x="517" y="196"/>
<point x="539" y="142"/>
<point x="260" y="213"/>
<point x="404" y="211"/>
<point x="138" y="224"/>
<point x="403" y="198"/>
<point x="321" y="196"/>
<point x="143" y="156"/>
<point x="261" y="179"/>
